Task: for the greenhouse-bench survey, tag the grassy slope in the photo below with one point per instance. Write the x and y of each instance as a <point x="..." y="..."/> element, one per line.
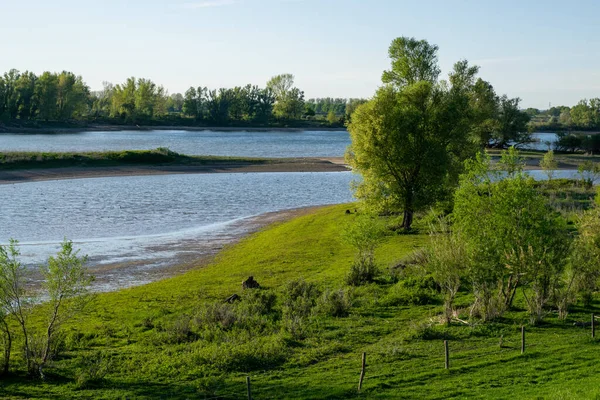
<point x="404" y="357"/>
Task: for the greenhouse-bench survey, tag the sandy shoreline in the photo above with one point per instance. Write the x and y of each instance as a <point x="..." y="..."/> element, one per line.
<point x="332" y="164"/>
<point x="190" y="253"/>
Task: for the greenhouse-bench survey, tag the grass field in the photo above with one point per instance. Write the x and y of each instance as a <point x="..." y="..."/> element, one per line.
<point x="162" y="341"/>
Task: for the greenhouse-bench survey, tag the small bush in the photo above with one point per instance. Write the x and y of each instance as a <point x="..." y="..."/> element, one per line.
<point x="412" y="292"/>
<point x="260" y="353"/>
<point x="221" y="315"/>
<point x="299" y="298"/>
<point x="427" y="331"/>
<point x="361" y="272"/>
<point x="180" y="330"/>
<point x="92" y="369"/>
<point x="335" y="303"/>
<point x="406" y="266"/>
<point x="258" y="302"/>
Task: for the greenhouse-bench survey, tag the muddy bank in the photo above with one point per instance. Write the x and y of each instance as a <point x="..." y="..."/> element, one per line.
<point x="184" y="254"/>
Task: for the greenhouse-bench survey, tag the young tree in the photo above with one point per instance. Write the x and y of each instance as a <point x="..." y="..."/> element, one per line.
<point x="364" y="233"/>
<point x="66" y="283"/>
<point x="549" y="164"/>
<point x="512" y="124"/>
<point x="513" y="239"/>
<point x="586" y="254"/>
<point x="289" y="100"/>
<point x="409" y="141"/>
<point x="511" y="162"/>
<point x="447" y="263"/>
<point x="332" y="118"/>
<point x="13" y="300"/>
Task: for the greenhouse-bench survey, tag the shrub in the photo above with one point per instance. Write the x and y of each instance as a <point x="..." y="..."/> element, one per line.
<point x="299" y="298"/>
<point x="260" y="353"/>
<point x="92" y="368"/>
<point x="427" y="331"/>
<point x="179" y="331"/>
<point x="221" y="315"/>
<point x="361" y="272"/>
<point x="412" y="291"/>
<point x="335" y="303"/>
<point x="258" y="302"/>
<point x="407" y="265"/>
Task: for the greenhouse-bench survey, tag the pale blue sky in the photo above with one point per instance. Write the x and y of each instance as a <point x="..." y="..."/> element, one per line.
<point x="541" y="51"/>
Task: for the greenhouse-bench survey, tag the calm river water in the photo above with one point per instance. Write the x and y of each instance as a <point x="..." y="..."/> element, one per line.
<point x="221" y="143"/>
<point x="141" y="218"/>
<point x="151" y="221"/>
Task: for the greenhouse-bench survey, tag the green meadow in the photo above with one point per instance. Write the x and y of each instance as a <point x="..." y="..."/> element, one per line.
<point x="179" y="339"/>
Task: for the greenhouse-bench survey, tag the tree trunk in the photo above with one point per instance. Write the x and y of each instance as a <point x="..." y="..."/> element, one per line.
<point x="407" y="220"/>
<point x="7" y="348"/>
<point x="408" y="211"/>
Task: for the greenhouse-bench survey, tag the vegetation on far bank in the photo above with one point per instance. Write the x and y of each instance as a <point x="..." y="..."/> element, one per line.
<point x="158" y="157"/>
<point x="51" y="99"/>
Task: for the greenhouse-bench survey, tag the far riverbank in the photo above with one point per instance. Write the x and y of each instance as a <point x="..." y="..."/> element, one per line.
<point x="119" y="128"/>
<point x="332" y="164"/>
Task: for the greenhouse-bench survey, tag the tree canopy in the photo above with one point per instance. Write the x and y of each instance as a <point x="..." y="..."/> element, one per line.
<point x="409" y="141"/>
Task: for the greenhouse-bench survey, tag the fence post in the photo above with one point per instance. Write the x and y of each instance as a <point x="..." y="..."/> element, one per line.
<point x="447" y="354"/>
<point x="593" y="326"/>
<point x="522" y="339"/>
<point x="248" y="387"/>
<point x="362" y="371"/>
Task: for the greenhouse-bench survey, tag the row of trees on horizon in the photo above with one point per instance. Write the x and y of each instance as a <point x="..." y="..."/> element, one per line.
<point x="65" y="97"/>
<point x="585" y="116"/>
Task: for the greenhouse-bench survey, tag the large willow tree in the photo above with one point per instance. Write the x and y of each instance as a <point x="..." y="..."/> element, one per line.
<point x="409" y="142"/>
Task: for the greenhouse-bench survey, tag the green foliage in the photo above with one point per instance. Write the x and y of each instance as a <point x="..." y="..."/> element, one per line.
<point x="363" y="233"/>
<point x="214" y="362"/>
<point x="64" y="97"/>
<point x="513" y="239"/>
<point x="362" y="271"/>
<point x="64" y="288"/>
<point x="159" y="156"/>
<point x="412" y="291"/>
<point x="335" y="303"/>
<point x="409" y="141"/>
<point x="511" y="162"/>
<point x="412" y="61"/>
<point x="93" y="367"/>
<point x="289" y="100"/>
<point x="447" y="263"/>
<point x="332" y="118"/>
<point x="589" y="172"/>
<point x="549" y="164"/>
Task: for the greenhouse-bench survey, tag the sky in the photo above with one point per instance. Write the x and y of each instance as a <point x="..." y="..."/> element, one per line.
<point x="545" y="52"/>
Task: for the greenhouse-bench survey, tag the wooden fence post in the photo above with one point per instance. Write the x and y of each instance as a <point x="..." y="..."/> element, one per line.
<point x="447" y="354"/>
<point x="248" y="387"/>
<point x="593" y="326"/>
<point x="522" y="339"/>
<point x="362" y="371"/>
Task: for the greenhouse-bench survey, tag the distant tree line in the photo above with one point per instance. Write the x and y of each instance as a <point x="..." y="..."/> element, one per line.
<point x="584" y="116"/>
<point x="63" y="97"/>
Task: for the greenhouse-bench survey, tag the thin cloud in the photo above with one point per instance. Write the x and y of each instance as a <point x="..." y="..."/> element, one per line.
<point x="209" y="3"/>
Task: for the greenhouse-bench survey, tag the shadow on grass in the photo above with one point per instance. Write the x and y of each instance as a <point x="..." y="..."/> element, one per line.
<point x="20" y="387"/>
